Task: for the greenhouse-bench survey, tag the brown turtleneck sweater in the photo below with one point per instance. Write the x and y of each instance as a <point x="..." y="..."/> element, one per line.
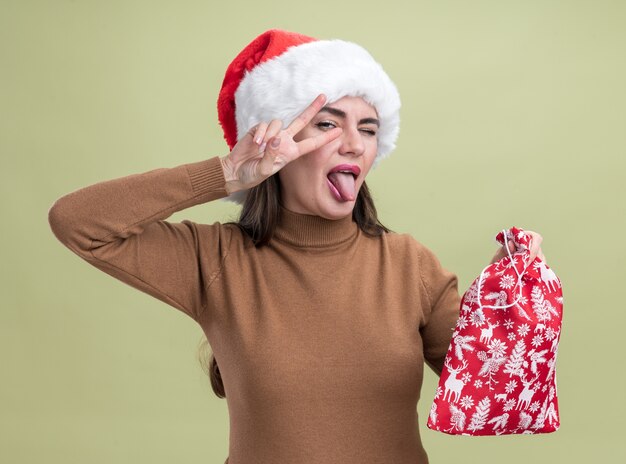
<point x="320" y="337"/>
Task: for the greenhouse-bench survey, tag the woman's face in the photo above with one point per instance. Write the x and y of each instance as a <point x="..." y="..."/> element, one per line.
<point x="308" y="183"/>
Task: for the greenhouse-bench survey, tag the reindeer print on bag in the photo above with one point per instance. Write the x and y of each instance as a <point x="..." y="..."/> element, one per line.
<point x="454" y="385"/>
<point x="499" y="374"/>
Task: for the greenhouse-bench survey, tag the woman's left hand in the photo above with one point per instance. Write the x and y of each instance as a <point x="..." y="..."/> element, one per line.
<point x="535" y="249"/>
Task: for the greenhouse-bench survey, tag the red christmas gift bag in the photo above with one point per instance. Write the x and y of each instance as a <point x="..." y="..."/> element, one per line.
<point x="499" y="375"/>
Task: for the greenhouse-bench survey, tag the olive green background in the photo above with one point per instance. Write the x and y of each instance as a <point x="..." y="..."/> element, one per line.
<point x="513" y="114"/>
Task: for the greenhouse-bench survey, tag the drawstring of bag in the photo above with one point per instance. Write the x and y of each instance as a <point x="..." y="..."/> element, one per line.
<point x="519" y="280"/>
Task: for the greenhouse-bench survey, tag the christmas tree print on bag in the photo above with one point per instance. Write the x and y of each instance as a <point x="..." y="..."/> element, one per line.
<point x="499" y="375"/>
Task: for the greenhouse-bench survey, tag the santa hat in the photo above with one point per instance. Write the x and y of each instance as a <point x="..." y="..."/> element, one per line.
<point x="280" y="73"/>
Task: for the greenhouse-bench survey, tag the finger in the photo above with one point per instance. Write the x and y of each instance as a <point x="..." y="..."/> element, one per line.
<point x="252" y="130"/>
<point x="266" y="165"/>
<point x="273" y="129"/>
<point x="303" y="118"/>
<point x="535" y="249"/>
<point x="313" y="143"/>
<point x="499" y="255"/>
<point x="541" y="256"/>
<point x="259" y="133"/>
<point x="536" y="240"/>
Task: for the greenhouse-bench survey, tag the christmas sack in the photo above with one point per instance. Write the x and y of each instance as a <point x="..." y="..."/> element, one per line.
<point x="499" y="376"/>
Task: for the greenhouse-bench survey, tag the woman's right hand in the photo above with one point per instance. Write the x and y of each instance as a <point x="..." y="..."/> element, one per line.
<point x="266" y="148"/>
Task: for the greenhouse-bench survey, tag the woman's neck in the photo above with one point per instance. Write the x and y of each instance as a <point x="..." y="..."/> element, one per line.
<point x="307" y="230"/>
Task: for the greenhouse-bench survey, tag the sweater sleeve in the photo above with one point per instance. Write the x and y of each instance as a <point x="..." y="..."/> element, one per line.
<point x="119" y="227"/>
<point x="442" y="290"/>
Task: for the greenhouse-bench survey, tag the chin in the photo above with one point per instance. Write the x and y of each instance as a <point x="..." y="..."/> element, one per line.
<point x="337" y="211"/>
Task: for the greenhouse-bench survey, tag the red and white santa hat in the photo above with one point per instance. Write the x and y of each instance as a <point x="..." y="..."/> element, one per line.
<point x="280" y="73"/>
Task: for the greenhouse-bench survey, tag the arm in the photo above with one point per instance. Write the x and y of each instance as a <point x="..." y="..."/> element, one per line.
<point x="441" y="289"/>
<point x="119" y="227"/>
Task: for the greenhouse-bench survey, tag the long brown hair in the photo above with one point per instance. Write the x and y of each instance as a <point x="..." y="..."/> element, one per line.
<point x="258" y="219"/>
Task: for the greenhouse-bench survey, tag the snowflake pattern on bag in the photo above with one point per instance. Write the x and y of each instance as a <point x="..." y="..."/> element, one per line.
<point x="500" y="370"/>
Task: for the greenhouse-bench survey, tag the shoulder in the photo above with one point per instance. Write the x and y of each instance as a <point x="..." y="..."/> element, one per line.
<point x="415" y="253"/>
<point x="410" y="254"/>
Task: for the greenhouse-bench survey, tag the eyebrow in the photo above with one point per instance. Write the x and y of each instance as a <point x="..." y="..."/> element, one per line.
<point x="342" y="114"/>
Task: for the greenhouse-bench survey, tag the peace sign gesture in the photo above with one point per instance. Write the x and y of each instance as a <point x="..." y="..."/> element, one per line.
<point x="267" y="148"/>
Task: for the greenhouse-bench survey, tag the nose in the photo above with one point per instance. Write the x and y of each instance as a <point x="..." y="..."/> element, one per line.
<point x="351" y="142"/>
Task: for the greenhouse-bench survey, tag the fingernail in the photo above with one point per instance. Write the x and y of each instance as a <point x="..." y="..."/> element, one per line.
<point x="262" y="147"/>
<point x="275" y="143"/>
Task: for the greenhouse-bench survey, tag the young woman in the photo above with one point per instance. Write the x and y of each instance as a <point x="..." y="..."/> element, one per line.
<point x="320" y="319"/>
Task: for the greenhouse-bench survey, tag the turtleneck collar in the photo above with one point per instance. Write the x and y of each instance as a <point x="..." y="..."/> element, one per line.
<point x="307" y="230"/>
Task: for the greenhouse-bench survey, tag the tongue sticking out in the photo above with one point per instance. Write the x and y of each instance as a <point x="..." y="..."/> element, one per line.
<point x="344" y="183"/>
